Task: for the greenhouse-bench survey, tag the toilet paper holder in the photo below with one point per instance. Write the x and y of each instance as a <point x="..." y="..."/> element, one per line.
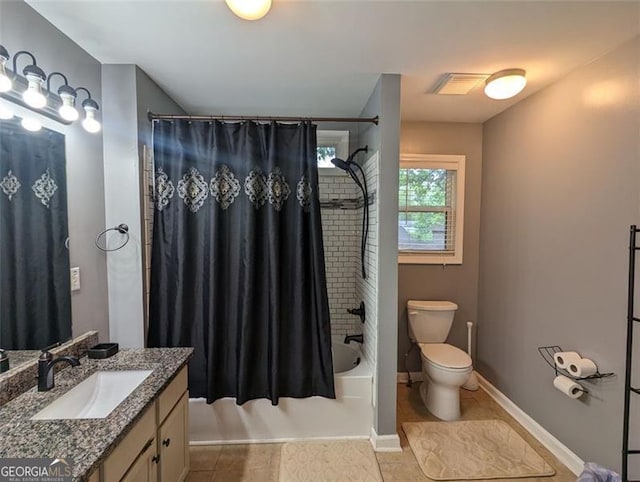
<point x="547" y="352"/>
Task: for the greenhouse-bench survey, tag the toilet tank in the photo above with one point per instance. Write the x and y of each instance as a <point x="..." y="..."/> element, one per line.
<point x="430" y="321"/>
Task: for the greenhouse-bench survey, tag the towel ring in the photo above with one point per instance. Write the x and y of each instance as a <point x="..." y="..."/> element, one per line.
<point x="122" y="229"/>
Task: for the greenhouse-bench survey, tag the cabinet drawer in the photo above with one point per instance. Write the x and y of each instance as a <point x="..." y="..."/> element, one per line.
<point x="131" y="446"/>
<point x="170" y="396"/>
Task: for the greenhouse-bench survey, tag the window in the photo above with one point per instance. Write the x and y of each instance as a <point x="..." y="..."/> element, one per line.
<point x="332" y="144"/>
<point x="431" y="205"/>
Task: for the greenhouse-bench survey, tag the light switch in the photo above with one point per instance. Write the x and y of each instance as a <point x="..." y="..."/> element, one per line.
<point x="75" y="279"/>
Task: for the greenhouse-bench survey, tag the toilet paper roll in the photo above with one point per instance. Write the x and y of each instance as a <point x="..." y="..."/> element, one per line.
<point x="582" y="368"/>
<point x="567" y="386"/>
<point x="564" y="358"/>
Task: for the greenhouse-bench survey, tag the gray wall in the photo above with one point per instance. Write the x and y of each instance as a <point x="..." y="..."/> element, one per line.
<point x="385" y="138"/>
<point x="561" y="185"/>
<point x="457" y="283"/>
<point x="21" y="28"/>
<point x="131" y="93"/>
<point x="150" y="97"/>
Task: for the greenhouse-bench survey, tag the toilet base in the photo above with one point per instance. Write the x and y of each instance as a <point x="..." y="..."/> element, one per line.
<point x="442" y="401"/>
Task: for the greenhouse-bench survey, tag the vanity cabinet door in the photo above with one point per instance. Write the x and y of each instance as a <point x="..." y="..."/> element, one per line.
<point x="134" y="443"/>
<point x="173" y="444"/>
<point x="145" y="468"/>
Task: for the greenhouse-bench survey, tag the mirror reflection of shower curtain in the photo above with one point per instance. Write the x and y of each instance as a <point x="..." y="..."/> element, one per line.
<point x="237" y="266"/>
<point x="35" y="298"/>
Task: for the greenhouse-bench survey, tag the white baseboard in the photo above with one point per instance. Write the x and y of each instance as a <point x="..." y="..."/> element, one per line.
<point x="205" y="443"/>
<point x="557" y="448"/>
<point x="415" y="377"/>
<point x="385" y="443"/>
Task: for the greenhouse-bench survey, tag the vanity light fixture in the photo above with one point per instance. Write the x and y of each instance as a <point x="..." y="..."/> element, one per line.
<point x="31" y="124"/>
<point x="90" y="106"/>
<point x="29" y="90"/>
<point x="249" y="9"/>
<point x="505" y="84"/>
<point x="68" y="96"/>
<point x="5" y="80"/>
<point x="36" y="77"/>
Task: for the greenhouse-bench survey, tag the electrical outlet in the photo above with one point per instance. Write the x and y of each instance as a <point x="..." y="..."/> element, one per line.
<point x="75" y="279"/>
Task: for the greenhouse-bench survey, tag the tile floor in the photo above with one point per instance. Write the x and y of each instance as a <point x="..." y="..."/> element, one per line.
<point x="261" y="462"/>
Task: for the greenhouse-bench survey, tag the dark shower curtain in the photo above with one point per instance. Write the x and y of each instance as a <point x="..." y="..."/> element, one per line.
<point x="237" y="266"/>
<point x="35" y="298"/>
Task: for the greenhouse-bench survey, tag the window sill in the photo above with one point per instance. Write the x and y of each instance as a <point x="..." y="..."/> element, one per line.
<point x="418" y="258"/>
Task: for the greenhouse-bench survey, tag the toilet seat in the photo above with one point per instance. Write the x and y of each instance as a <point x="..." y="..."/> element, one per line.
<point x="445" y="356"/>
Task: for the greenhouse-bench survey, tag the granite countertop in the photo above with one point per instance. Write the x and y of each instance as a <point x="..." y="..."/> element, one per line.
<point x="87" y="442"/>
<point x="18" y="357"/>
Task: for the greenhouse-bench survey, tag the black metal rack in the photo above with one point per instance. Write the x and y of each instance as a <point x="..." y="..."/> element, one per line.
<point x="547" y="353"/>
<point x="631" y="320"/>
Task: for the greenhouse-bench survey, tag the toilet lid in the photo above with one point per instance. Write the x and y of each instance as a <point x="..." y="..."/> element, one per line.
<point x="431" y="305"/>
<point x="445" y="355"/>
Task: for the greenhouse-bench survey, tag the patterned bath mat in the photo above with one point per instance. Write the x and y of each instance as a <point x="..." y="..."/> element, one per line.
<point x="329" y="461"/>
<point x="479" y="449"/>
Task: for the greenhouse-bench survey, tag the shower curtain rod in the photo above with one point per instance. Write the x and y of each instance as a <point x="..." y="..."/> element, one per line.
<point x="152" y="116"/>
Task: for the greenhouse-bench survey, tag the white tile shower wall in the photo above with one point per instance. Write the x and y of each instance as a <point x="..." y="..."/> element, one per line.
<point x="147" y="214"/>
<point x="367" y="289"/>
<point x="341" y="236"/>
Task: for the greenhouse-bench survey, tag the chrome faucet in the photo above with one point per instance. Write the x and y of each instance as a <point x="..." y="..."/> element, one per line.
<point x="357" y="338"/>
<point x="46" y="363"/>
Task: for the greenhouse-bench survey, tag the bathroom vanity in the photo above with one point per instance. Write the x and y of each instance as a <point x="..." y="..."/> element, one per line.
<point x="144" y="438"/>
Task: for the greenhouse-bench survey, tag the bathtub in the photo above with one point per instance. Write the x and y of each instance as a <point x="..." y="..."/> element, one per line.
<point x="350" y="415"/>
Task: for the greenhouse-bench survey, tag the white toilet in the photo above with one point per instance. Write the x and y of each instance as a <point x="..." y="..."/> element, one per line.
<point x="445" y="368"/>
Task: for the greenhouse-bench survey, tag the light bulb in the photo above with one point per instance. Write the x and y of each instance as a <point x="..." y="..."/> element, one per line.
<point x="31" y="124"/>
<point x="33" y="95"/>
<point x="68" y="110"/>
<point x="5" y="81"/>
<point x="90" y="123"/>
<point x="505" y="84"/>
<point x="249" y="9"/>
<point x="5" y="112"/>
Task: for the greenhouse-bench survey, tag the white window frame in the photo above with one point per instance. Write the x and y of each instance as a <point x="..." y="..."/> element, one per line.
<point x="439" y="161"/>
<point x="338" y="140"/>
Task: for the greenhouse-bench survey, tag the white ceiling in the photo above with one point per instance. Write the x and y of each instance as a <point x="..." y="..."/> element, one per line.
<point x="321" y="57"/>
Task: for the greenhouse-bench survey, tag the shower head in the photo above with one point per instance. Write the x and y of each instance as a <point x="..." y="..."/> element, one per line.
<point x="339" y="163"/>
<point x="346" y="165"/>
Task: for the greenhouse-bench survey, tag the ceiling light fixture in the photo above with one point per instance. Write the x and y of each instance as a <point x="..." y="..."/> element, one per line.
<point x="505" y="84"/>
<point x="249" y="9"/>
<point x="30" y="92"/>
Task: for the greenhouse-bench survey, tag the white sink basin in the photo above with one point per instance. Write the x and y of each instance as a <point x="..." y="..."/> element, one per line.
<point x="95" y="397"/>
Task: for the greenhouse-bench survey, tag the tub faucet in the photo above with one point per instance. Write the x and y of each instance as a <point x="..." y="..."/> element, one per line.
<point x="357" y="338"/>
<point x="46" y="363"/>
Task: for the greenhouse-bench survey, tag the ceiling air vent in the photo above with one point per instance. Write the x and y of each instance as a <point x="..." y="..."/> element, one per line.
<point x="458" y="84"/>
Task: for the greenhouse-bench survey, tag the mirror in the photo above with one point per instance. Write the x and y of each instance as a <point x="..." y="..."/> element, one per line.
<point x="35" y="297"/>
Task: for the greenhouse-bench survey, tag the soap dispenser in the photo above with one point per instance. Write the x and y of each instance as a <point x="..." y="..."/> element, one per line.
<point x="4" y="361"/>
